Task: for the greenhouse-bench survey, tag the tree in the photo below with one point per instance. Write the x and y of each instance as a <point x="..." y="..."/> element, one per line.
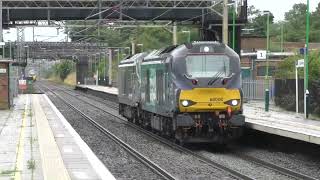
<point x="296" y="23"/>
<point x="286" y="69"/>
<point x="315" y="25"/>
<point x="64" y="69"/>
<point x="258" y="21"/>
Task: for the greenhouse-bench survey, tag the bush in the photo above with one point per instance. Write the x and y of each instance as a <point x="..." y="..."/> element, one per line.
<point x="286" y="92"/>
<point x="286" y="69"/>
<point x="64" y="69"/>
<point x="315" y="97"/>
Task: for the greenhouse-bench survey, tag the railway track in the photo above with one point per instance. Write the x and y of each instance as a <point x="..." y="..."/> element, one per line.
<point x="233" y="173"/>
<point x="157" y="169"/>
<point x="271" y="166"/>
<point x="274" y="167"/>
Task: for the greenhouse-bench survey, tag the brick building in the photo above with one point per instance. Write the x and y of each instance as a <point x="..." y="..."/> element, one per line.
<point x="256" y="69"/>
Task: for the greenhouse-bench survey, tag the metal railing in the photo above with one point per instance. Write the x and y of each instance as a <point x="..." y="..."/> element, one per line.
<point x="255" y="89"/>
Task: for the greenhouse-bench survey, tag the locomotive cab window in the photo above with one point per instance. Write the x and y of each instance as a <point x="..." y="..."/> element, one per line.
<point x="208" y="66"/>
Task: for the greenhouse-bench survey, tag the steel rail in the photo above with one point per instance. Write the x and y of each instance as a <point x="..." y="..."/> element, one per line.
<point x="274" y="167"/>
<point x="204" y="159"/>
<point x="271" y="166"/>
<point x="146" y="161"/>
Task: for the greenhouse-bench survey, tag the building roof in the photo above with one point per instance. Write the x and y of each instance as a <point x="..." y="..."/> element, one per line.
<point x="6" y="61"/>
<point x="273" y="54"/>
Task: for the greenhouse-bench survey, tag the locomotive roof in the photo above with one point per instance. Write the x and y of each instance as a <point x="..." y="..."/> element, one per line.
<point x="156" y="54"/>
<point x="132" y="59"/>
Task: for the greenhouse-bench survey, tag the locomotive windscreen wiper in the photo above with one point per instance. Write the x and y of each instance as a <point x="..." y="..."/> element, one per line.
<point x="216" y="77"/>
<point x="218" y="74"/>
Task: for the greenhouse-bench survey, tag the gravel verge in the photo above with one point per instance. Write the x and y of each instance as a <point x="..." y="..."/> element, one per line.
<point x="181" y="165"/>
<point x="121" y="164"/>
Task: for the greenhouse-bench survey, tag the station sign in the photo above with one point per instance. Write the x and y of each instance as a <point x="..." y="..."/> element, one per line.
<point x="261" y="55"/>
<point x="3" y="71"/>
<point x="22" y="84"/>
<point x="2" y="43"/>
<point x="300" y="63"/>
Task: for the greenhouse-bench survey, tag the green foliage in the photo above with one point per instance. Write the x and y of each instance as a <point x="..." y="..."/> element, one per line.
<point x="294" y="25"/>
<point x="286" y="69"/>
<point x="31" y="164"/>
<point x="258" y="21"/>
<point x="64" y="69"/>
<point x="103" y="68"/>
<point x="151" y="37"/>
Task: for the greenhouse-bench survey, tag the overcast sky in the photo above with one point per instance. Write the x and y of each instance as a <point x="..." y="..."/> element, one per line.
<point x="277" y="7"/>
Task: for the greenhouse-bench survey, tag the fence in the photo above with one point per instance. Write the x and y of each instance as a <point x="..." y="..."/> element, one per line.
<point x="255" y="89"/>
<point x="285" y="95"/>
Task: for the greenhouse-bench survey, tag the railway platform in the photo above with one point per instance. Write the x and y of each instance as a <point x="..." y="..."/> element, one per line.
<point x="277" y="121"/>
<point x="104" y="89"/>
<point x="283" y="123"/>
<point x="37" y="142"/>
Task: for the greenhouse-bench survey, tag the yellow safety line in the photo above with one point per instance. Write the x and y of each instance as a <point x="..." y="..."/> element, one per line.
<point x="20" y="150"/>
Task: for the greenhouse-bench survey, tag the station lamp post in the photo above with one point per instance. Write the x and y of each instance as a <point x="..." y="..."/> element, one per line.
<point x="282" y="37"/>
<point x="189" y="35"/>
<point x="267" y="91"/>
<point x="10" y="49"/>
<point x="105" y="66"/>
<point x="234" y="26"/>
<point x="118" y="55"/>
<point x="233" y="4"/>
<point x="306" y="63"/>
<point x="27" y="53"/>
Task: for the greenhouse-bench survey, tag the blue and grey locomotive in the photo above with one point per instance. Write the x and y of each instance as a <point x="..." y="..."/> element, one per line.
<point x="191" y="92"/>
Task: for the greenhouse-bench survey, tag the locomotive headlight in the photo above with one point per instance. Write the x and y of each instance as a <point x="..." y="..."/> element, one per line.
<point x="185" y="103"/>
<point x="234" y="102"/>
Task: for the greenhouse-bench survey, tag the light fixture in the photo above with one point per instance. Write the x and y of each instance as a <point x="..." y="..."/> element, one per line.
<point x="206" y="49"/>
<point x="234" y="102"/>
<point x="185" y="103"/>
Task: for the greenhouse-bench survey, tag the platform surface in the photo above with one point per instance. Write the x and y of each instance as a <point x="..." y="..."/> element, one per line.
<point x="280" y="122"/>
<point x="277" y="121"/>
<point x="109" y="90"/>
<point x="37" y="142"/>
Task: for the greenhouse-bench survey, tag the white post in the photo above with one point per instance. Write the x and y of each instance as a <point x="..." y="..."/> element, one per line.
<point x="110" y="67"/>
<point x="304" y="81"/>
<point x="297" y="93"/>
<point x="175" y="39"/>
<point x="133" y="47"/>
<point x="97" y="78"/>
<point x="225" y="23"/>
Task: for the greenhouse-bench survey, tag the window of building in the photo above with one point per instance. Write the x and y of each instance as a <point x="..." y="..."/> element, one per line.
<point x="261" y="71"/>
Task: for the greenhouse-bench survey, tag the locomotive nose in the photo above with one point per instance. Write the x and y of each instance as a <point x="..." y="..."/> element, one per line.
<point x="209" y="100"/>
